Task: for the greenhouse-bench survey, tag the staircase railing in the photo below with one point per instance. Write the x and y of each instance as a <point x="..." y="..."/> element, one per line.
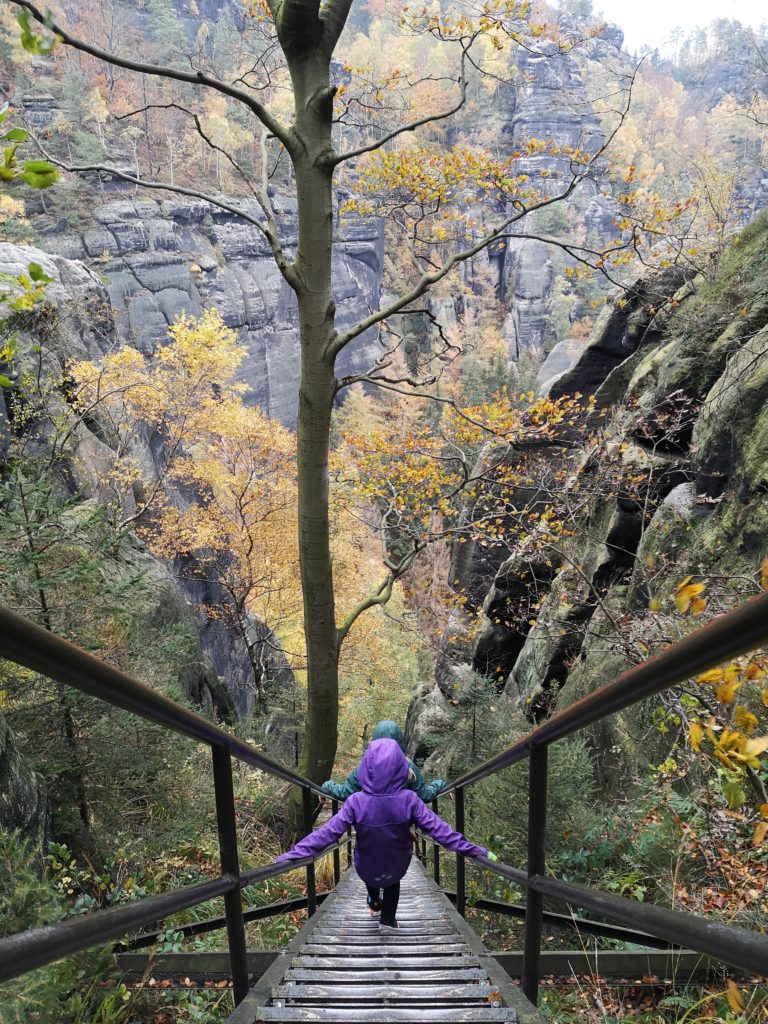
<point x="28" y="644"/>
<point x="731" y="635"/>
<point x="735" y="633"/>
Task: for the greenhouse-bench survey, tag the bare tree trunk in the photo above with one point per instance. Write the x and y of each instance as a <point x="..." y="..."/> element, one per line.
<point x="313" y="107"/>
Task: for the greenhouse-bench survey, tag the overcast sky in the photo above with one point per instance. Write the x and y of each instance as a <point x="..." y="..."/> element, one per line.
<point x="651" y="21"/>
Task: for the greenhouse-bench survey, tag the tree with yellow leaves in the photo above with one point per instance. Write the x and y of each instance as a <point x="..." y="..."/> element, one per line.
<point x="222" y="499"/>
<point x="333" y="125"/>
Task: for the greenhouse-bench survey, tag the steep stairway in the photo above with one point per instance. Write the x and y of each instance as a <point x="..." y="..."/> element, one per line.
<point x="342" y="969"/>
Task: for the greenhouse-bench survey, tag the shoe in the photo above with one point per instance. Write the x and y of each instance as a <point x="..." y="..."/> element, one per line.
<point x="374" y="906"/>
<point x="388" y="927"/>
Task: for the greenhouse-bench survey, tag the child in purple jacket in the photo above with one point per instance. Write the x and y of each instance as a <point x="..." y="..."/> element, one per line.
<point x="382" y="813"/>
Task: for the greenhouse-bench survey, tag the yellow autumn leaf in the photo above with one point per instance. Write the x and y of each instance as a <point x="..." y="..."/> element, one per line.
<point x="685" y="593"/>
<point x="696" y="735"/>
<point x="756" y="746"/>
<point x="725" y="693"/>
<point x="764" y="810"/>
<point x="765" y="697"/>
<point x="725" y="760"/>
<point x="755" y="671"/>
<point x="761" y="830"/>
<point x="744" y="719"/>
<point x="698" y="605"/>
<point x="654" y="604"/>
<point x="715" y="675"/>
<point x="734" y="998"/>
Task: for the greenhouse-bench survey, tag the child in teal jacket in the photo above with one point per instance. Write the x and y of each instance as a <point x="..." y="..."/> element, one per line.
<point x="386" y="730"/>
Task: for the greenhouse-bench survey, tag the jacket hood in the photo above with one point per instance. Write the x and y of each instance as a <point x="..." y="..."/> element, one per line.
<point x="389" y="730"/>
<point x="384" y="768"/>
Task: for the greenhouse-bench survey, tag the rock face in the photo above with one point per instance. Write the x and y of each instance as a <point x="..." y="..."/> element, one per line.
<point x="217" y="675"/>
<point x="683" y="386"/>
<point x="23" y="800"/>
<point x="157" y="260"/>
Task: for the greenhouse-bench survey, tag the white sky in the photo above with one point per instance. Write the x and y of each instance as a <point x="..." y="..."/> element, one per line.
<point x="651" y="21"/>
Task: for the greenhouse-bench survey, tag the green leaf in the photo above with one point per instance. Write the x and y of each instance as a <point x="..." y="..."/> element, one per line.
<point x="734" y="794"/>
<point x="39" y="166"/>
<point x="39" y="174"/>
<point x="5" y="382"/>
<point x="37" y="273"/>
<point x="3" y="112"/>
<point x="32" y="42"/>
<point x="14" y="135"/>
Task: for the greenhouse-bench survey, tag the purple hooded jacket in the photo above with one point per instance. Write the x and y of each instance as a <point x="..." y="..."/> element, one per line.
<point x="382" y="814"/>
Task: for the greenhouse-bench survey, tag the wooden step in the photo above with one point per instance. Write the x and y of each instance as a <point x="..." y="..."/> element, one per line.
<point x="387" y="1014"/>
<point x="386" y="946"/>
<point x="447" y="974"/>
<point x="391" y="992"/>
<point x="372" y="963"/>
<point x="374" y="938"/>
<point x="343" y="968"/>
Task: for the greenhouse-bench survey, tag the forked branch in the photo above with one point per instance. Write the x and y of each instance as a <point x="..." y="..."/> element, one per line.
<point x="269" y="121"/>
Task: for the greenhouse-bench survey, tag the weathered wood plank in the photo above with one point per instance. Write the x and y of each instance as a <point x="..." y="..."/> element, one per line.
<point x="387" y="946"/>
<point x="374" y="938"/>
<point x="387" y="1014"/>
<point x="381" y="975"/>
<point x="441" y="992"/>
<point x="309" y="961"/>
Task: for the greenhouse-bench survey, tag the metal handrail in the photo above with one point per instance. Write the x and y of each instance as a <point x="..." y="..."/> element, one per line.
<point x="34" y="647"/>
<point x="39" y="946"/>
<point x="730" y="635"/>
<point x="729" y="943"/>
<point x="25" y="643"/>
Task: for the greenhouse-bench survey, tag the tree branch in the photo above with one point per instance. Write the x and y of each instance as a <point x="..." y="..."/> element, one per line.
<point x="340" y="341"/>
<point x="275" y="126"/>
<point x="333" y="15"/>
<point x="414" y="125"/>
<point x="269" y="231"/>
<point x="383" y="593"/>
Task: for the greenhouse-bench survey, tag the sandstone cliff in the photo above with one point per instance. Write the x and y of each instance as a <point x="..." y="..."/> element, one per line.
<point x="681" y="371"/>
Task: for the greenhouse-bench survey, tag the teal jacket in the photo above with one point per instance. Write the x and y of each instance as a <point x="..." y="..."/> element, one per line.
<point x="386" y="730"/>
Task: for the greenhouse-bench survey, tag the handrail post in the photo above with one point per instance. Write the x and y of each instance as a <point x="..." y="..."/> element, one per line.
<point x="461" y="885"/>
<point x="306" y="803"/>
<point x="436" y="852"/>
<point x="230" y="865"/>
<point x="534" y="907"/>
<point x="336" y="852"/>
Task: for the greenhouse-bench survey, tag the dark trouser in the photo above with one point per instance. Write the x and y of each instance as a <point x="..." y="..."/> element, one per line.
<point x="388" y="901"/>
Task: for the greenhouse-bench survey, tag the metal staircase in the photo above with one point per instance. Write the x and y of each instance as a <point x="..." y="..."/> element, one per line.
<point x="342" y="968"/>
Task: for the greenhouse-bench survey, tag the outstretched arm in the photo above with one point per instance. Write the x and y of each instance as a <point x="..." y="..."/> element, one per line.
<point x="342" y="790"/>
<point x="427" y="791"/>
<point x="440" y="830"/>
<point x="317" y="841"/>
